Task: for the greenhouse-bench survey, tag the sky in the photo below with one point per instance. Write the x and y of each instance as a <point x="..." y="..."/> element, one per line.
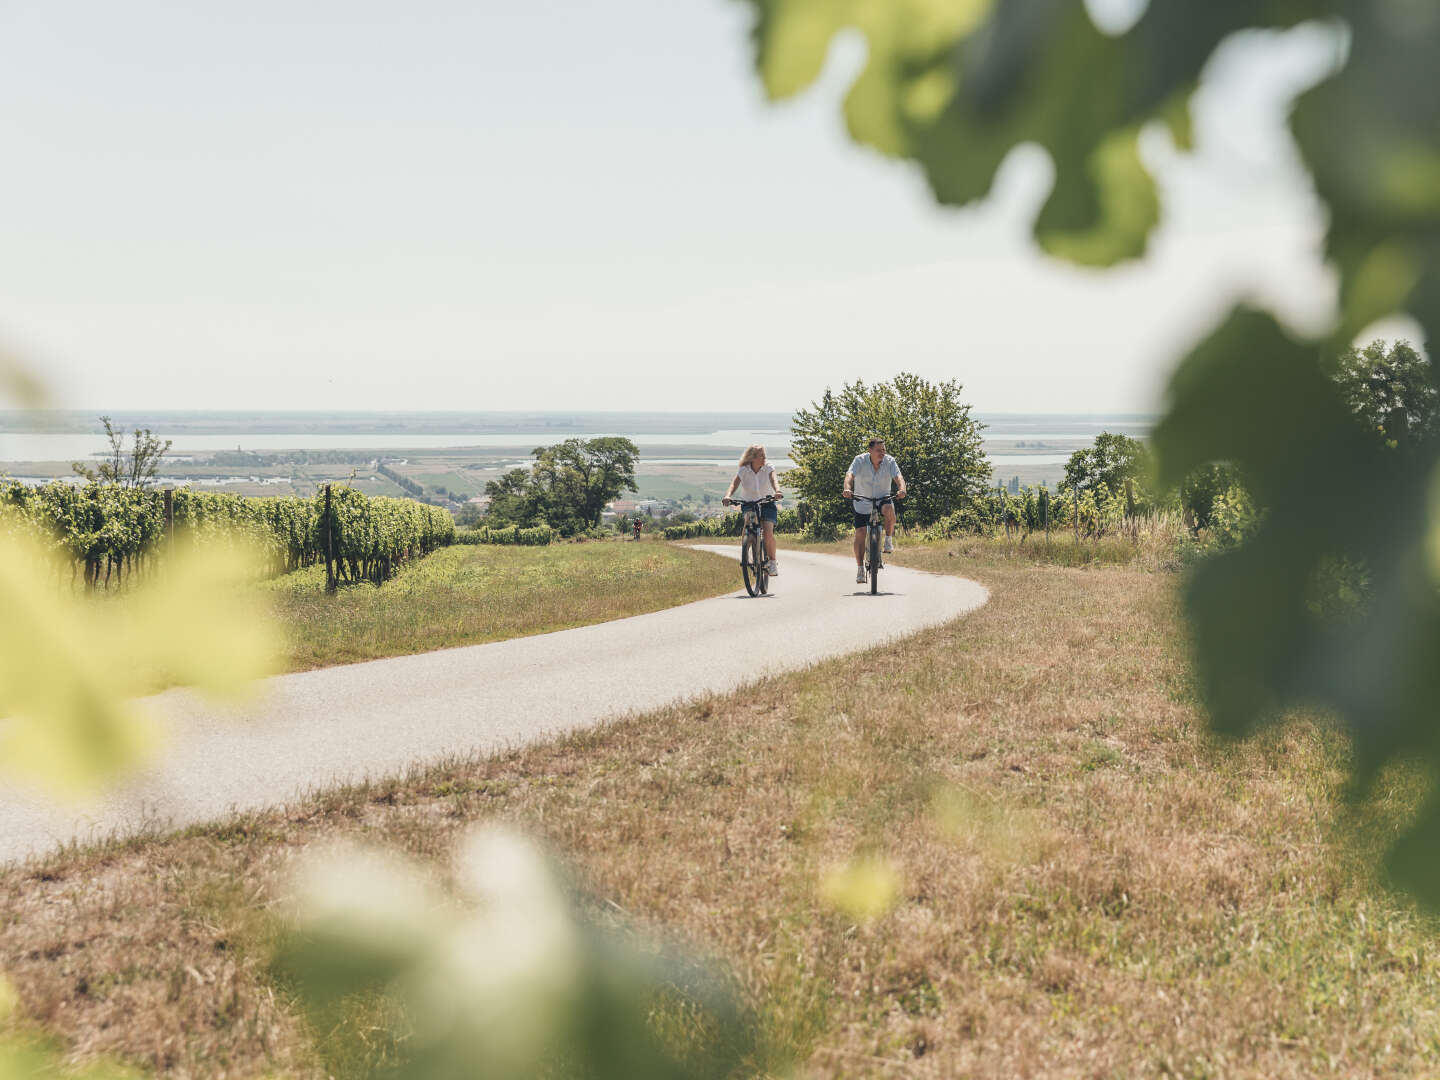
<point x="448" y="205"/>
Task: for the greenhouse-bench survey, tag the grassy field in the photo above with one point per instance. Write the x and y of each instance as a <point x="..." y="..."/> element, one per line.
<point x="472" y="594"/>
<point x="1089" y="886"/>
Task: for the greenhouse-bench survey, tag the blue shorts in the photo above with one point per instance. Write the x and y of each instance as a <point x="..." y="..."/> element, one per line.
<point x="770" y="512"/>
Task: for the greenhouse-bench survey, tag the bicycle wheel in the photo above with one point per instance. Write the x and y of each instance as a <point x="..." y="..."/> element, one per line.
<point x="874" y="561"/>
<point x="750" y="566"/>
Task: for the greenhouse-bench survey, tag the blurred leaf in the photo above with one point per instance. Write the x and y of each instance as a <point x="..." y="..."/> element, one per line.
<point x="513" y="983"/>
<point x="68" y="662"/>
<point x="31" y="1059"/>
<point x="957" y="85"/>
<point x="18" y="383"/>
<point x="863" y="889"/>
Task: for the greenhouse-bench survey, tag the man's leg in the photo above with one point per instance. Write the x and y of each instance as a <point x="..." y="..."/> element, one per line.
<point x="889" y="511"/>
<point x="860" y="554"/>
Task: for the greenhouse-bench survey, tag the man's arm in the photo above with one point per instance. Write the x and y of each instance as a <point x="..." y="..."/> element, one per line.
<point x="900" y="480"/>
<point x="849" y="491"/>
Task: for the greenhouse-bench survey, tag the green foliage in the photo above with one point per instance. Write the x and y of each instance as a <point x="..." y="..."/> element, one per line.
<point x="510" y="982"/>
<point x="1101" y="511"/>
<point x="133" y="469"/>
<point x="955" y="86"/>
<point x="110" y="531"/>
<point x="1203" y="486"/>
<point x="568" y="486"/>
<point x="1111" y="460"/>
<point x="1391" y="391"/>
<point x="1233" y="517"/>
<point x="469" y="515"/>
<point x="369" y="536"/>
<point x="538" y="536"/>
<point x="926" y="428"/>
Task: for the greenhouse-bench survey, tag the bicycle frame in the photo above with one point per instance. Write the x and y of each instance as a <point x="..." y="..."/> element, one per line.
<point x="753" y="556"/>
<point x="875" y="536"/>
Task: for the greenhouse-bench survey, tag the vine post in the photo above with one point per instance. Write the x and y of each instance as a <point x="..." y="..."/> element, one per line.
<point x="1130" y="519"/>
<point x="1045" y="513"/>
<point x="1077" y="515"/>
<point x="329" y="546"/>
<point x="168" y="497"/>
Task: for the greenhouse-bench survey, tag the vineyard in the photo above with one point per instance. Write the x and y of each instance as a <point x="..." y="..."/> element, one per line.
<point x="538" y="536"/>
<point x="106" y="532"/>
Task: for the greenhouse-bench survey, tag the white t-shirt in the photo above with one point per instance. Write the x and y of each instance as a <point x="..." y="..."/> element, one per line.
<point x="870" y="482"/>
<point x="754" y="485"/>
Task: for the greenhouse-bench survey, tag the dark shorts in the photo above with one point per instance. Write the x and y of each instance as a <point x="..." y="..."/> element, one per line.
<point x="770" y="512"/>
<point x="862" y="521"/>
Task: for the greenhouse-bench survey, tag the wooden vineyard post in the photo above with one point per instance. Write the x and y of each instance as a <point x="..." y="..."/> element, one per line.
<point x="1045" y="513"/>
<point x="329" y="546"/>
<point x="168" y="498"/>
<point x="1130" y="510"/>
<point x="1077" y="515"/>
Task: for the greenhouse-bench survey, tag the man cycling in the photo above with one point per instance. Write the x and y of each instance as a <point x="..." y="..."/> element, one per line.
<point x="870" y="477"/>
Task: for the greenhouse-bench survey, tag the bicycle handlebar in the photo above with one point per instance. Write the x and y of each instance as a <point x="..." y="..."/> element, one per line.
<point x="752" y="502"/>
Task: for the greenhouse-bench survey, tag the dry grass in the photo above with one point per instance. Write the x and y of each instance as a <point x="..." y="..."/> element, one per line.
<point x="466" y="595"/>
<point x="1090" y="887"/>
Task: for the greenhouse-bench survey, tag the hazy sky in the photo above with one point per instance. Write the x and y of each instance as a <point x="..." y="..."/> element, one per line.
<point x="565" y="205"/>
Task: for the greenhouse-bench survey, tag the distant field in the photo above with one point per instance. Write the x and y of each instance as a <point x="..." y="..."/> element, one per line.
<point x="468" y="595"/>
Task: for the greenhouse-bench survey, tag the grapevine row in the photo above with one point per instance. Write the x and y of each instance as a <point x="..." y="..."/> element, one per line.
<point x="108" y="532"/>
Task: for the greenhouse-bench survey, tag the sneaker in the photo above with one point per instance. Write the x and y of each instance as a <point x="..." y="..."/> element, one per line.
<point x="772" y="568"/>
<point x="859" y="575"/>
<point x="889" y="545"/>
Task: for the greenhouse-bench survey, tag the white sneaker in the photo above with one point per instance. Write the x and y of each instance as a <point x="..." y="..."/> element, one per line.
<point x="859" y="575"/>
<point x="772" y="568"/>
<point x="889" y="545"/>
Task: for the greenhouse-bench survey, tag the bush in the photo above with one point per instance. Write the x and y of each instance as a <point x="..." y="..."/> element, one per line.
<point x="537" y="536"/>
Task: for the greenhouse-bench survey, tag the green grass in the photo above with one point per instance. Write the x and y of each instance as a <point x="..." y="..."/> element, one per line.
<point x="468" y="595"/>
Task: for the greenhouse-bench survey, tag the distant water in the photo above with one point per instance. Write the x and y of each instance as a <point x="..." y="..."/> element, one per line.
<point x="1012" y="427"/>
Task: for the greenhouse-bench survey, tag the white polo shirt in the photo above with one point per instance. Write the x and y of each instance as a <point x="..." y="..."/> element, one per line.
<point x="870" y="482"/>
<point x="754" y="485"/>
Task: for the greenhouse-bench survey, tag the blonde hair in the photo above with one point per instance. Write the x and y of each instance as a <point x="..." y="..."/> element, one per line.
<point x="749" y="454"/>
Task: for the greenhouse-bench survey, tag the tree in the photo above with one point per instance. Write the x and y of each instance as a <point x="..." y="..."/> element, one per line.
<point x="133" y="469"/>
<point x="1206" y="487"/>
<point x="468" y="515"/>
<point x="1111" y="460"/>
<point x="514" y="500"/>
<point x="925" y="426"/>
<point x="567" y="487"/>
<point x="1392" y="391"/>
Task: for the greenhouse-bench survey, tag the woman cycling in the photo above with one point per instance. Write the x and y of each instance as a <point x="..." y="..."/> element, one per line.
<point x="755" y="480"/>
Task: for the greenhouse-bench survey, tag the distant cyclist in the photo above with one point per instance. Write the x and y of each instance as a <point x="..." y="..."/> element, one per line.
<point x="870" y="477"/>
<point x="636" y="526"/>
<point x="755" y="479"/>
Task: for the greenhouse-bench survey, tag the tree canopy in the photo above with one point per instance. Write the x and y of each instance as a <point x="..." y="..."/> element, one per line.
<point x="1111" y="460"/>
<point x="925" y="425"/>
<point x="1391" y="391"/>
<point x="567" y="487"/>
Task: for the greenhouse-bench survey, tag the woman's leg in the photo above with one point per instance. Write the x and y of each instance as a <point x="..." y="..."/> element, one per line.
<point x="770" y="540"/>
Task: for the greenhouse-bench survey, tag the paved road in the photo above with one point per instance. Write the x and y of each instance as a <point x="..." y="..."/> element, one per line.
<point x="319" y="728"/>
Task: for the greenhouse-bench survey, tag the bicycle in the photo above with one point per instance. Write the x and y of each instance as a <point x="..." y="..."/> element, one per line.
<point x="873" y="563"/>
<point x="752" y="545"/>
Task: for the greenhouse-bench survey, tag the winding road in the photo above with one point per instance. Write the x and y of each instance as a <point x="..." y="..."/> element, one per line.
<point x="335" y="725"/>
